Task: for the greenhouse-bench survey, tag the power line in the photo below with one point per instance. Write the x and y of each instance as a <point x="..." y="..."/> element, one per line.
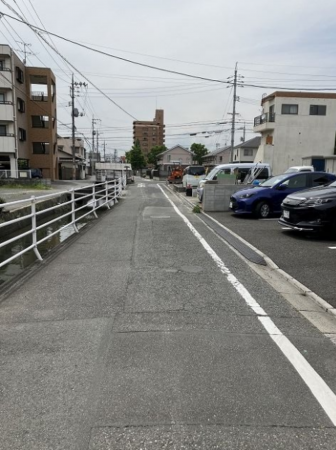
<point x="34" y="28"/>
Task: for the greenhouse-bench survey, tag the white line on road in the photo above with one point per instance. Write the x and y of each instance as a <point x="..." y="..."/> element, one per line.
<point x="332" y="248"/>
<point x="319" y="388"/>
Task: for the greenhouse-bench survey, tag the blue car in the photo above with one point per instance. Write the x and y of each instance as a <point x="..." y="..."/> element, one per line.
<point x="266" y="199"/>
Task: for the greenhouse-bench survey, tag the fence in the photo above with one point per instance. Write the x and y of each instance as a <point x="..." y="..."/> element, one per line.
<point x="90" y="197"/>
<point x="22" y="174"/>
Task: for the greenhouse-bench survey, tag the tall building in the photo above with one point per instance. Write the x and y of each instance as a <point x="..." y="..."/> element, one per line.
<point x="28" y="129"/>
<point x="149" y="133"/>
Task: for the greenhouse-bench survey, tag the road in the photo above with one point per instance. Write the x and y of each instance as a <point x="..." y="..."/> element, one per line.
<point x="149" y="332"/>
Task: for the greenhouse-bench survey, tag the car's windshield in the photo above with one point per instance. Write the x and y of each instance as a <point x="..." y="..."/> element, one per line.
<point x="212" y="173"/>
<point x="273" y="180"/>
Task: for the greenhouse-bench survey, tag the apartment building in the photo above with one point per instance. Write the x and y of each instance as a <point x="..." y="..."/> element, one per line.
<point x="297" y="128"/>
<point x="150" y="133"/>
<point x="28" y="129"/>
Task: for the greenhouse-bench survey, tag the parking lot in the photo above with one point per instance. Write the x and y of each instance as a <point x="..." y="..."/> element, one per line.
<point x="309" y="258"/>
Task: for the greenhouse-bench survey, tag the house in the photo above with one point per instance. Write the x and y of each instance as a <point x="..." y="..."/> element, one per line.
<point x="246" y="152"/>
<point x="150" y="133"/>
<point x="65" y="158"/>
<point x="297" y="128"/>
<point x="221" y="155"/>
<point x="176" y="155"/>
<point x="28" y="125"/>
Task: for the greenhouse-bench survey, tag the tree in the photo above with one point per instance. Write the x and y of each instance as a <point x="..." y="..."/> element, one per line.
<point x="199" y="151"/>
<point x="152" y="157"/>
<point x="136" y="157"/>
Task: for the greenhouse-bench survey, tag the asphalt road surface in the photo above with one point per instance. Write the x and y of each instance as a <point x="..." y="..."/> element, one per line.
<point x="148" y="332"/>
<point x="309" y="258"/>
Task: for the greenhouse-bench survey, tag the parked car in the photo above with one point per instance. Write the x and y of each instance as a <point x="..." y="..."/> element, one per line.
<point x="36" y="173"/>
<point x="191" y="177"/>
<point x="311" y="210"/>
<point x="300" y="169"/>
<point x="262" y="172"/>
<point x="266" y="199"/>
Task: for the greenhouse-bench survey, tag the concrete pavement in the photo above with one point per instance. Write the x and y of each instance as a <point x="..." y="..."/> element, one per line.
<point x="134" y="337"/>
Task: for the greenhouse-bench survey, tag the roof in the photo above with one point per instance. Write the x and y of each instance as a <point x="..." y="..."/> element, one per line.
<point x="175" y="146"/>
<point x="218" y="150"/>
<point x="298" y="94"/>
<point x="251" y="143"/>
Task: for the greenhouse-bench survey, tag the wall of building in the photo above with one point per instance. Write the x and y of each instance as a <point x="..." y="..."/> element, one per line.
<point x="150" y="133"/>
<point x="298" y="136"/>
<point x="46" y="162"/>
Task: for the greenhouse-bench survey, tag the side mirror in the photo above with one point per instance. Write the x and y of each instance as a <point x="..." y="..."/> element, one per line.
<point x="215" y="178"/>
<point x="282" y="187"/>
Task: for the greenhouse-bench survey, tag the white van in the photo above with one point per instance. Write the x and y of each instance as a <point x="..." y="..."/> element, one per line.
<point x="295" y="169"/>
<point x="245" y="172"/>
<point x="191" y="177"/>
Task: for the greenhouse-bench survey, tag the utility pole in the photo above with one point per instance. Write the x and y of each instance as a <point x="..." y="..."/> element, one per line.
<point x="235" y="99"/>
<point x="74" y="113"/>
<point x="104" y="150"/>
<point x="72" y="93"/>
<point x="93" y="145"/>
<point x="97" y="144"/>
<point x="25" y="53"/>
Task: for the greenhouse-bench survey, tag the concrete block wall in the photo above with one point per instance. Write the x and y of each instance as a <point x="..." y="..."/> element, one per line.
<point x="216" y="197"/>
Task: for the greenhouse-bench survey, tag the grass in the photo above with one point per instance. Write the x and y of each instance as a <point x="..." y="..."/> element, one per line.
<point x="37" y="186"/>
<point x="196" y="209"/>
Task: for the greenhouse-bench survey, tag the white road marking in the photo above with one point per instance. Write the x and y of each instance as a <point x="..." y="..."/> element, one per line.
<point x="319" y="388"/>
<point x="332" y="248"/>
<point x="141" y="185"/>
<point x="285" y="228"/>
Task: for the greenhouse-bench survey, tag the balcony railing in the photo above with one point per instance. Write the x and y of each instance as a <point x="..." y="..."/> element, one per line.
<point x="39" y="96"/>
<point x="264" y="118"/>
<point x="6" y="135"/>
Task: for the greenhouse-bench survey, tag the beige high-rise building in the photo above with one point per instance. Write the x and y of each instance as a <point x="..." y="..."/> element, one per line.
<point x="149" y="133"/>
<point x="28" y="128"/>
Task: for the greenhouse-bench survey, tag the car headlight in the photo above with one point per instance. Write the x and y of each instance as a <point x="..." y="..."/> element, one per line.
<point x="245" y="195"/>
<point x="316" y="201"/>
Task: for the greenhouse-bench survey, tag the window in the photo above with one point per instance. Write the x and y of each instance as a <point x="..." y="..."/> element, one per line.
<point x="320" y="180"/>
<point x="22" y="134"/>
<point x="220" y="158"/>
<point x="40" y="121"/>
<point x="19" y="75"/>
<point x="3" y="130"/>
<point x="2" y="97"/>
<point x="168" y="158"/>
<point x="248" y="151"/>
<point x="318" y="110"/>
<point x="298" y="182"/>
<point x="2" y="64"/>
<point x="289" y="109"/>
<point x="41" y="148"/>
<point x="21" y="105"/>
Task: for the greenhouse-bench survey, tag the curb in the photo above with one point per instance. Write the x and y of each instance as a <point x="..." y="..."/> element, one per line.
<point x="271" y="264"/>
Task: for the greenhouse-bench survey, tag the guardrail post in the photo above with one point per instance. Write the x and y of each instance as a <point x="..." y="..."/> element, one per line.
<point x="94" y="201"/>
<point x="116" y="190"/>
<point x="107" y="195"/>
<point x="34" y="232"/>
<point x="73" y="210"/>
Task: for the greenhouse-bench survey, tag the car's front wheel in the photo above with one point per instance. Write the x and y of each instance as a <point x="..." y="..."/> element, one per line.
<point x="262" y="210"/>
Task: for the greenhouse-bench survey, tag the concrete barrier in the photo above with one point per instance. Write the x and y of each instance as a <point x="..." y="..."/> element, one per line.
<point x="216" y="196"/>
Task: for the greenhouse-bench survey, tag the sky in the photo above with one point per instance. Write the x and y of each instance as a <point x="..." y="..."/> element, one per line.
<point x="276" y="45"/>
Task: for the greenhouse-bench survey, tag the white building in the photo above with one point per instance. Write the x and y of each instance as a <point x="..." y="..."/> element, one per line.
<point x="297" y="128"/>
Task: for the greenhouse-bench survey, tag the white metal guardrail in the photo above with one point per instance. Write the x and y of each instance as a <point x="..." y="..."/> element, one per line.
<point x="99" y="195"/>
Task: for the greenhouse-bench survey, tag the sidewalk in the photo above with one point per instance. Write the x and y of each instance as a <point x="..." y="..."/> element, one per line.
<point x="132" y="338"/>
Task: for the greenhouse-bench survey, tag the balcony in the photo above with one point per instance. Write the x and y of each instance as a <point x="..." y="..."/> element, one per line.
<point x="7" y="143"/>
<point x="264" y="122"/>
<point x="39" y="97"/>
<point x="6" y="79"/>
<point x="6" y="111"/>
